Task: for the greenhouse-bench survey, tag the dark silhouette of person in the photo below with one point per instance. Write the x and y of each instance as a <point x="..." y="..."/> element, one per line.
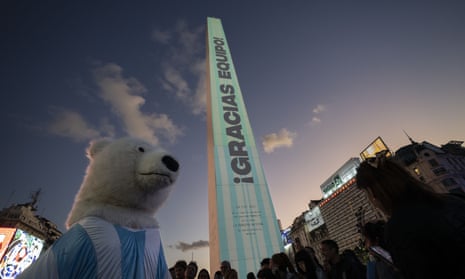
<point x="265" y="273"/>
<point x="251" y="275"/>
<point x="191" y="270"/>
<point x="180" y="269"/>
<point x="304" y="261"/>
<point x="203" y="274"/>
<point x="265" y="263"/>
<point x="282" y="267"/>
<point x="373" y="234"/>
<point x="424" y="228"/>
<point x="341" y="266"/>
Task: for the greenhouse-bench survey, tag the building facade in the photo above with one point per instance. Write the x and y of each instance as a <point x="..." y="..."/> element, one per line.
<point x="339" y="215"/>
<point x="443" y="168"/>
<point x="344" y="208"/>
<point x="24" y="216"/>
<point x="24" y="235"/>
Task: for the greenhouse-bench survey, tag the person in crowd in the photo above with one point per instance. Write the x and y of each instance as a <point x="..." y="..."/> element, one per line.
<point x="338" y="266"/>
<point x="282" y="267"/>
<point x="225" y="266"/>
<point x="265" y="273"/>
<point x="423" y="226"/>
<point x="265" y="263"/>
<point x="191" y="270"/>
<point x="172" y="272"/>
<point x="180" y="269"/>
<point x="251" y="275"/>
<point x="380" y="265"/>
<point x="304" y="261"/>
<point x="318" y="266"/>
<point x="312" y="253"/>
<point x="218" y="275"/>
<point x="203" y="274"/>
<point x="231" y="274"/>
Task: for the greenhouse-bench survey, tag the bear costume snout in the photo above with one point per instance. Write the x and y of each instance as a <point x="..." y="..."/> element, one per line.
<point x="170" y="163"/>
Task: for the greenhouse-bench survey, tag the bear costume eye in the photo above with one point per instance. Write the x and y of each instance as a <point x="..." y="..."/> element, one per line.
<point x="141" y="149"/>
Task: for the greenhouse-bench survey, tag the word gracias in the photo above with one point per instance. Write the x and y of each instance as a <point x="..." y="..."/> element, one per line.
<point x="240" y="162"/>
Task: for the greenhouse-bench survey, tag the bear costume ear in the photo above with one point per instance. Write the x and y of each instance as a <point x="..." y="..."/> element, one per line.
<point x="96" y="146"/>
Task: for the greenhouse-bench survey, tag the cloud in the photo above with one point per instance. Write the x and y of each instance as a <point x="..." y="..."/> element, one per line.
<point x="186" y="246"/>
<point x="319" y="108"/>
<point x="316" y="111"/>
<point x="161" y="37"/>
<point x="316" y="120"/>
<point x="124" y="96"/>
<point x="71" y="124"/>
<point x="283" y="139"/>
<point x="184" y="68"/>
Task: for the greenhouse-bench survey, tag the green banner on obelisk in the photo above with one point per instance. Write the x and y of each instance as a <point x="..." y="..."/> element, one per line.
<point x="243" y="224"/>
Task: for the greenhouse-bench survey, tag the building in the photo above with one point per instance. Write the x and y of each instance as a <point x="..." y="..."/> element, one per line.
<point x="317" y="226"/>
<point x="443" y="168"/>
<point x="339" y="215"/>
<point x="344" y="208"/>
<point x="23" y="236"/>
<point x="24" y="217"/>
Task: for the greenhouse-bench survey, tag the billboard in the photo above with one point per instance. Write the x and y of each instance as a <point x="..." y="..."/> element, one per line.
<point x="242" y="223"/>
<point x="286" y="237"/>
<point x="19" y="250"/>
<point x="314" y="219"/>
<point x="345" y="173"/>
<point x="6" y="234"/>
<point x="376" y="147"/>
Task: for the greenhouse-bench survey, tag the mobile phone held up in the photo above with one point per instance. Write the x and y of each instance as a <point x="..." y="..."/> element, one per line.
<point x="382" y="253"/>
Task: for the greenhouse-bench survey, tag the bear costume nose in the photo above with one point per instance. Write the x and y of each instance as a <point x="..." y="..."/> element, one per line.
<point x="170" y="163"/>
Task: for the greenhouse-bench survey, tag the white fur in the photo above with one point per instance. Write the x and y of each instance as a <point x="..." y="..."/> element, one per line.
<point x="123" y="185"/>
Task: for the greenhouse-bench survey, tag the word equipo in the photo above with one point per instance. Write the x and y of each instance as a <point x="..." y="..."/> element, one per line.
<point x="240" y="162"/>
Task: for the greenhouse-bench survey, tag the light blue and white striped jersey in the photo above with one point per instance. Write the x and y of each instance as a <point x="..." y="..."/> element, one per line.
<point x="94" y="248"/>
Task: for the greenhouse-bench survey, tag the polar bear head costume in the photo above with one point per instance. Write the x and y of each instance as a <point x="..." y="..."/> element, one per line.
<point x="126" y="182"/>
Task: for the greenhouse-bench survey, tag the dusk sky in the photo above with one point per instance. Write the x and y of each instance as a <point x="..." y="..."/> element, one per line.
<point x="320" y="80"/>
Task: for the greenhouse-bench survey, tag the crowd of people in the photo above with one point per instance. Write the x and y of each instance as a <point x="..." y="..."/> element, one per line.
<point x="280" y="266"/>
<point x="421" y="238"/>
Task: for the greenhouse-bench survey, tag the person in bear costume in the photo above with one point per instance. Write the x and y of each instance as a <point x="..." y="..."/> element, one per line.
<point x="112" y="231"/>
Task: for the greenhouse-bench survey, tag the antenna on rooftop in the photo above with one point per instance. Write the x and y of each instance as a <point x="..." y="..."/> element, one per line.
<point x="409" y="138"/>
<point x="34" y="199"/>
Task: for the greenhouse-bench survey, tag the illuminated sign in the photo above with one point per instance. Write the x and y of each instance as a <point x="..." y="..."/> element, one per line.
<point x="314" y="219"/>
<point x="340" y="177"/>
<point x="286" y="236"/>
<point x="6" y="234"/>
<point x="376" y="147"/>
<point x="243" y="223"/>
<point x="22" y="250"/>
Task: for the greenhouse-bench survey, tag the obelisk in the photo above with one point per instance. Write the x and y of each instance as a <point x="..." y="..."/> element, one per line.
<point x="242" y="222"/>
